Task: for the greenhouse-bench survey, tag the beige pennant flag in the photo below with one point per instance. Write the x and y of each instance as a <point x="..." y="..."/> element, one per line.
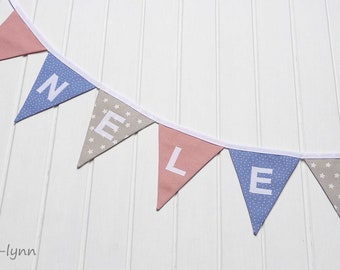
<point x="112" y="121"/>
<point x="327" y="172"/>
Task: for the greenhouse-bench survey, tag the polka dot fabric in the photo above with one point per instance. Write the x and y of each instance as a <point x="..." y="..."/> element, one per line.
<point x="37" y="102"/>
<point x="327" y="172"/>
<point x="280" y="169"/>
<point x="95" y="144"/>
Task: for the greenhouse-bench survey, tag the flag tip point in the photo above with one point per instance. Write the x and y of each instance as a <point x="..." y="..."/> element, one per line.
<point x="19" y="118"/>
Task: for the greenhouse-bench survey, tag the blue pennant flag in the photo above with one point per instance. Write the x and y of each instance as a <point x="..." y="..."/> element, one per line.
<point x="262" y="178"/>
<point x="55" y="84"/>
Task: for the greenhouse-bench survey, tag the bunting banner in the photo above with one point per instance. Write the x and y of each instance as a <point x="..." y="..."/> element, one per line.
<point x="55" y="84"/>
<point x="262" y="173"/>
<point x="262" y="178"/>
<point x="181" y="156"/>
<point x="16" y="39"/>
<point x="112" y="121"/>
<point x="327" y="172"/>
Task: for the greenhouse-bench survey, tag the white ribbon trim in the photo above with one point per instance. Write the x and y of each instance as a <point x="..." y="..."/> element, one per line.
<point x="99" y="85"/>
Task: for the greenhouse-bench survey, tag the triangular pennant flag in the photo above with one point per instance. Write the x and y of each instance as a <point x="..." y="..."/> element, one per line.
<point x="17" y="39"/>
<point x="55" y="84"/>
<point x="181" y="156"/>
<point x="262" y="178"/>
<point x="112" y="121"/>
<point x="327" y="172"/>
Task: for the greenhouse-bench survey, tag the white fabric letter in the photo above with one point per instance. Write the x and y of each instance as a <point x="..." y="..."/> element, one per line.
<point x="52" y="83"/>
<point x="171" y="164"/>
<point x="256" y="179"/>
<point x="106" y="122"/>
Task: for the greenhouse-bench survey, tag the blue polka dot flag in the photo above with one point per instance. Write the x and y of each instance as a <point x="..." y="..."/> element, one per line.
<point x="55" y="84"/>
<point x="262" y="178"/>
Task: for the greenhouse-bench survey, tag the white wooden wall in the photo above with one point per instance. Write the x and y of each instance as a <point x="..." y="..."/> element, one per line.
<point x="252" y="72"/>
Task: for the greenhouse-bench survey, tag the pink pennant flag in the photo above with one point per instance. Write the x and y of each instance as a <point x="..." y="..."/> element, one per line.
<point x="181" y="156"/>
<point x="17" y="39"/>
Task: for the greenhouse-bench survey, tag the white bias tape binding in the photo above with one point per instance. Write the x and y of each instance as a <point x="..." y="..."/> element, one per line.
<point x="154" y="117"/>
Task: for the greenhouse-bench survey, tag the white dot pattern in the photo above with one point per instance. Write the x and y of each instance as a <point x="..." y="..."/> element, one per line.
<point x="37" y="102"/>
<point x="131" y="125"/>
<point x="327" y="172"/>
<point x="260" y="205"/>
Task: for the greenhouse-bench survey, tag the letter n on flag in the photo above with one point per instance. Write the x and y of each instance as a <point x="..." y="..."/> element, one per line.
<point x="181" y="156"/>
<point x="262" y="178"/>
<point x="55" y="84"/>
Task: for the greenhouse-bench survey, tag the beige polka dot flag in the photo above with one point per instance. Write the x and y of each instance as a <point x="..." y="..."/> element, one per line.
<point x="112" y="121"/>
<point x="327" y="172"/>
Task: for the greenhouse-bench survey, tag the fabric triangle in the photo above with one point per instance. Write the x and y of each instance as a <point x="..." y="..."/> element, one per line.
<point x="17" y="39"/>
<point x="55" y="84"/>
<point x="181" y="156"/>
<point x="112" y="121"/>
<point x="327" y="172"/>
<point x="262" y="178"/>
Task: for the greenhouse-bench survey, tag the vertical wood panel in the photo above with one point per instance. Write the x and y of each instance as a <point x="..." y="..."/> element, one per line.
<point x="108" y="244"/>
<point x="332" y="11"/>
<point x="66" y="194"/>
<point x="197" y="201"/>
<point x="11" y="91"/>
<point x="238" y="124"/>
<point x="279" y="120"/>
<point x="152" y="242"/>
<point x="24" y="175"/>
<point x="320" y="122"/>
<point x="316" y="76"/>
